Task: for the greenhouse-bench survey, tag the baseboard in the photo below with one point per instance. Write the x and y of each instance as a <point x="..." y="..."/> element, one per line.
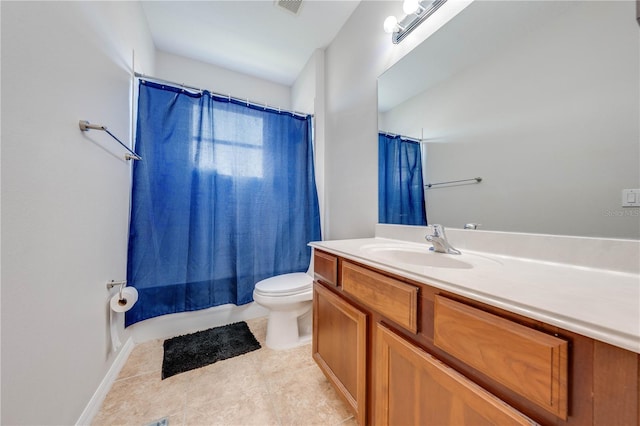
<point x="100" y="394"/>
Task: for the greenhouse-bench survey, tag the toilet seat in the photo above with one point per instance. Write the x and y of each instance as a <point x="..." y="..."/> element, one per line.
<point x="285" y="285"/>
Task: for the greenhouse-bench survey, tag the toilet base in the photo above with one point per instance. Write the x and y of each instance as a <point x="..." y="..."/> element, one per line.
<point x="291" y="328"/>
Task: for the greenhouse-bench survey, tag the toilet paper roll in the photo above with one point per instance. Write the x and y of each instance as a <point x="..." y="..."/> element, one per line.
<point x="126" y="302"/>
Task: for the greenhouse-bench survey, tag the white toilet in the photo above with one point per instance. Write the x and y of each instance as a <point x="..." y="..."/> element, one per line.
<point x="288" y="298"/>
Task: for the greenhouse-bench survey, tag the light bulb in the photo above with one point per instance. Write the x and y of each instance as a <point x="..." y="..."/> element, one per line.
<point x="390" y="24"/>
<point x="410" y="6"/>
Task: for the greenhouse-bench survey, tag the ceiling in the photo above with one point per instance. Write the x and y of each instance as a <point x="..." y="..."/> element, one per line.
<point x="257" y="38"/>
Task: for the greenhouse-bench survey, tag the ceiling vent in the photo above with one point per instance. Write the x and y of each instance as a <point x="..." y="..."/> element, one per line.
<point x="292" y="6"/>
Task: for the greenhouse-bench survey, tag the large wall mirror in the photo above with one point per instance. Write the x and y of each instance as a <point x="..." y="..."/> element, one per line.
<point x="541" y="99"/>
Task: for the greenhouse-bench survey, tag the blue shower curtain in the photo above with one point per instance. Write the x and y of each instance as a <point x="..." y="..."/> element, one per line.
<point x="225" y="196"/>
<point x="400" y="184"/>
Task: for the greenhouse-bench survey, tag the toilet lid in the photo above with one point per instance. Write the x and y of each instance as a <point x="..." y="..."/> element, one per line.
<point x="285" y="284"/>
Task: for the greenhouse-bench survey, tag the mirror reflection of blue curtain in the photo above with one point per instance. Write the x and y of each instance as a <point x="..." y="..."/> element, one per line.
<point x="400" y="184"/>
<point x="225" y="196"/>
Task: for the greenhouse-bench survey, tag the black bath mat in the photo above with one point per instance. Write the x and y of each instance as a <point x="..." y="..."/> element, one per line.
<point x="191" y="351"/>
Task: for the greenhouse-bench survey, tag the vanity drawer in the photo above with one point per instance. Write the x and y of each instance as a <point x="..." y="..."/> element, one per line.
<point x="529" y="362"/>
<point x="325" y="267"/>
<point x="391" y="298"/>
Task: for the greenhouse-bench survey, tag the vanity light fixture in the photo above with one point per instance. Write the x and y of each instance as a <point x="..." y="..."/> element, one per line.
<point x="411" y="6"/>
<point x="416" y="12"/>
<point x="391" y="25"/>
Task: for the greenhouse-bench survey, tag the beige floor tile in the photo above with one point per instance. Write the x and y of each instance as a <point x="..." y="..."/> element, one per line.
<point x="142" y="399"/>
<point x="222" y="378"/>
<point x="258" y="327"/>
<point x="263" y="387"/>
<point x="276" y="363"/>
<point x="235" y="407"/>
<point x="307" y="398"/>
<point x="145" y="358"/>
<point x="178" y="420"/>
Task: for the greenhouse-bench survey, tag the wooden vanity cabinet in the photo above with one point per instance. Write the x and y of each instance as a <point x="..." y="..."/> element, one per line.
<point x="402" y="352"/>
<point x="529" y="362"/>
<point x="339" y="347"/>
<point x="389" y="297"/>
<point x="412" y="387"/>
<point x="325" y="268"/>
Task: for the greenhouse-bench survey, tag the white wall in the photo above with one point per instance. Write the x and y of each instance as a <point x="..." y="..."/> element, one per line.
<point x="303" y="90"/>
<point x="551" y="123"/>
<point x="308" y="94"/>
<point x="221" y="80"/>
<point x="65" y="197"/>
<point x="353" y="61"/>
<point x="355" y="58"/>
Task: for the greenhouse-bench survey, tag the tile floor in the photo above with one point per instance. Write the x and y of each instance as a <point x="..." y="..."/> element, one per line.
<point x="263" y="387"/>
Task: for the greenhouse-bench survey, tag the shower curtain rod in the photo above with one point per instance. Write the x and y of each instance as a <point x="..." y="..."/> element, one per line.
<point x="408" y="138"/>
<point x="221" y="95"/>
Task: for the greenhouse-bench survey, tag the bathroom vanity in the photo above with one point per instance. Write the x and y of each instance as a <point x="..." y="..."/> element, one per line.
<point x="410" y="337"/>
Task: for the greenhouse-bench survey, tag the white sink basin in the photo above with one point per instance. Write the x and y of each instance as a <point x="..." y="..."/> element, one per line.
<point x="416" y="255"/>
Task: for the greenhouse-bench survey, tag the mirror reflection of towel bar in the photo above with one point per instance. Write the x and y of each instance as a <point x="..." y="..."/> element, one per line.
<point x="85" y="126"/>
<point x="476" y="180"/>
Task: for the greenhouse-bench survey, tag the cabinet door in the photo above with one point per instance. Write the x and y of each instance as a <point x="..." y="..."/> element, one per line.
<point x="413" y="388"/>
<point x="339" y="346"/>
<point x="527" y="361"/>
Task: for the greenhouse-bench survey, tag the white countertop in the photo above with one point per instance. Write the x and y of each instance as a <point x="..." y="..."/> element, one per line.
<point x="598" y="303"/>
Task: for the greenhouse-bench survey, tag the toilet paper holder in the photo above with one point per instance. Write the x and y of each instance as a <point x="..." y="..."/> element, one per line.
<point x="111" y="284"/>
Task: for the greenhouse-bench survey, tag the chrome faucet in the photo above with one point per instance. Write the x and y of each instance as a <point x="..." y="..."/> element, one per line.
<point x="439" y="241"/>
